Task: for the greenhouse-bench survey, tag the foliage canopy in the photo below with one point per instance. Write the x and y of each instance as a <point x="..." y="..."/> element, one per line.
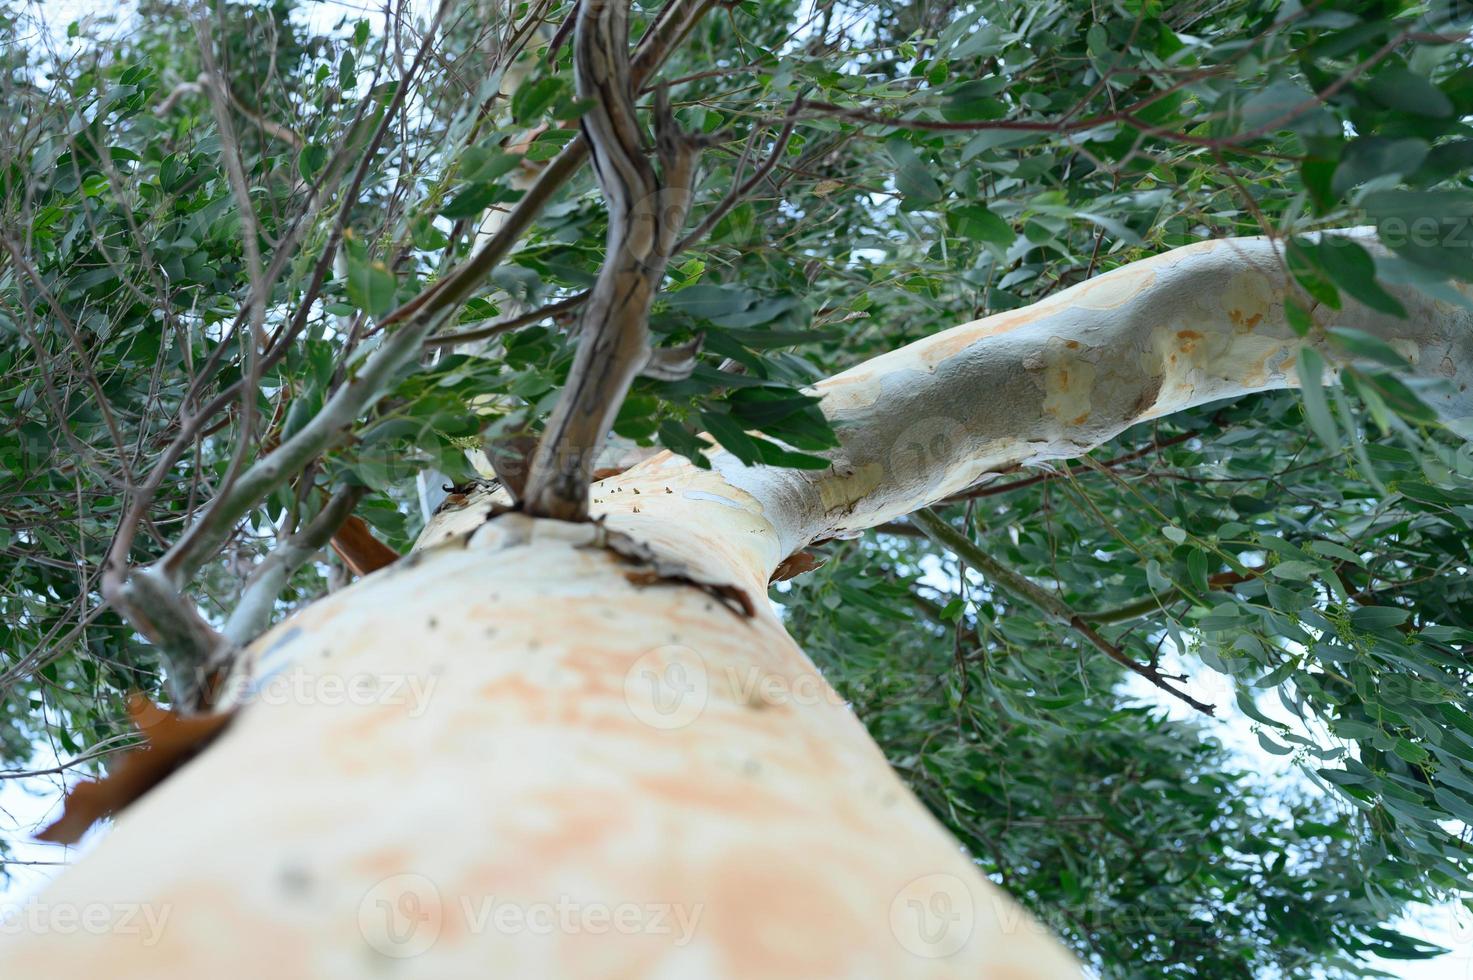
<point x="877" y="173"/>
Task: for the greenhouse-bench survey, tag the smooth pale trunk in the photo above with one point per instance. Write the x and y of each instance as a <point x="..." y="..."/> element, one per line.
<point x="518" y="756"/>
<point x="588" y="777"/>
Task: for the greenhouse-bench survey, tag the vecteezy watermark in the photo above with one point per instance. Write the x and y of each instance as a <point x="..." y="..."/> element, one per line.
<point x="364" y="689"/>
<point x="1458" y="930"/>
<point x="1421" y="231"/>
<point x="141" y="919"/>
<point x="925" y="451"/>
<point x="933" y="916"/>
<point x="670" y="686"/>
<point x="403" y="915"/>
<point x="667" y="687"/>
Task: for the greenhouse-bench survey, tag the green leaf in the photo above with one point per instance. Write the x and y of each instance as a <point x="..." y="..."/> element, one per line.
<point x="1357" y="730"/>
<point x="711" y="300"/>
<point x="976" y="222"/>
<point x="1249" y="707"/>
<point x="1285" y="105"/>
<point x="1332" y="550"/>
<point x="912" y="177"/>
<point x="1272" y="747"/>
<point x="474" y="199"/>
<point x="1360" y="344"/>
<point x="1396" y="395"/>
<point x="1402" y="90"/>
<point x="1295" y="571"/>
<point x="1298" y="317"/>
<point x="1431" y="228"/>
<point x="1454" y="804"/>
<point x="484" y="164"/>
<point x="774" y="455"/>
<point x="1378" y="617"/>
<point x="311" y="160"/>
<point x="370" y="285"/>
<point x="1351" y="268"/>
<point x="732" y="437"/>
<point x="974" y="101"/>
<point x="1316" y="406"/>
<point x="1410" y="751"/>
<point x="1371" y="157"/>
<point x="677" y="439"/>
<point x="425" y="235"/>
<point x="531" y="100"/>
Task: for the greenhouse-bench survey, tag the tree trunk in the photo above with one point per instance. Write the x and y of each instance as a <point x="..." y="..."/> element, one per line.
<point x="524" y="757"/>
<point x="518" y="753"/>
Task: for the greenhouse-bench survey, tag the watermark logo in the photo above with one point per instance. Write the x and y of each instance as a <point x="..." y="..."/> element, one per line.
<point x="925" y="451"/>
<point x="400" y="917"/>
<point x="667" y="687"/>
<point x="1460" y="931"/>
<point x="364" y="689"/>
<point x="671" y="686"/>
<point x="933" y="916"/>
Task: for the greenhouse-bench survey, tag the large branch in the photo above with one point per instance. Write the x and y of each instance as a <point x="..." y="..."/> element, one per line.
<point x="1053" y="380"/>
<point x="418" y="317"/>
<point x="646" y="213"/>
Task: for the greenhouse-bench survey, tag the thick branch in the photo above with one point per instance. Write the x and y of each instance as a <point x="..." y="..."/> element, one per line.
<point x="428" y="309"/>
<point x="150" y="597"/>
<point x="1053" y="380"/>
<point x="654" y="47"/>
<point x="646" y="213"/>
<point x="154" y="607"/>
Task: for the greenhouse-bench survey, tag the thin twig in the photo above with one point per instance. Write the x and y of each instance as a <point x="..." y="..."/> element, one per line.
<point x="506" y="326"/>
<point x="992" y="489"/>
<point x="739" y="191"/>
<point x="939" y="531"/>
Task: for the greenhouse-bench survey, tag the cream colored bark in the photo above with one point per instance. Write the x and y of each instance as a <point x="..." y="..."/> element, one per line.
<point x="516" y="755"/>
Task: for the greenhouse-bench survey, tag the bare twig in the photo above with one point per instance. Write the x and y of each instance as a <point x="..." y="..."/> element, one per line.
<point x="992" y="489"/>
<point x="741" y="190"/>
<point x="206" y="535"/>
<point x="511" y="323"/>
<point x="938" y="530"/>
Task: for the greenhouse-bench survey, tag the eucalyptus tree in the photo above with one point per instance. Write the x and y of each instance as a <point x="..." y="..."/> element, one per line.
<point x="667" y="298"/>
